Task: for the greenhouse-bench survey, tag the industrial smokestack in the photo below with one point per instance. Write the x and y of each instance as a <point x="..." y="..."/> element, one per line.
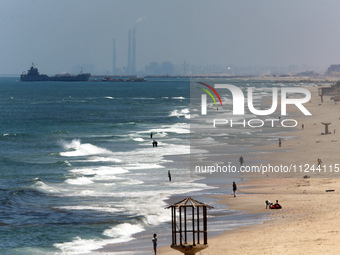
<point x="114" y="57"/>
<point x="133" y="64"/>
<point x="129" y="67"/>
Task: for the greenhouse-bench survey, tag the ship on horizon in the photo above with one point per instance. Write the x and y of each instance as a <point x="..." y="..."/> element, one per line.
<point x="34" y="75"/>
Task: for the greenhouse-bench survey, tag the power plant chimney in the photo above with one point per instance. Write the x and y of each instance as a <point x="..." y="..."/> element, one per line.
<point x="133" y="61"/>
<point x="129" y="67"/>
<point x="114" y="57"/>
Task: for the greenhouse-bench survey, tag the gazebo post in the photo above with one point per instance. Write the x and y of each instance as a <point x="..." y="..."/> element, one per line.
<point x="174" y="225"/>
<point x="205" y="228"/>
<point x="185" y="226"/>
<point x="193" y="225"/>
<point x="198" y="226"/>
<point x="180" y="225"/>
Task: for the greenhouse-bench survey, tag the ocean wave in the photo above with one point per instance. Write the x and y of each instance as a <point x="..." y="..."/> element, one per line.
<point x="76" y="148"/>
<point x="81" y="246"/>
<point x="15" y="134"/>
<point x="179" y="128"/>
<point x="93" y="208"/>
<point x="101" y="170"/>
<point x="42" y="187"/>
<point x="117" y="234"/>
<point x="79" y="181"/>
<point x="123" y="232"/>
<point x="180" y="113"/>
<point x="138" y="139"/>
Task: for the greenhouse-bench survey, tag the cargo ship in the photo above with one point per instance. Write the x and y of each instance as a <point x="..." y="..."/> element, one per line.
<point x="34" y="75"/>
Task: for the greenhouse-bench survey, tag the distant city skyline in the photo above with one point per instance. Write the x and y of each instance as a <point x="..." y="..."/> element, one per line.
<point x="59" y="36"/>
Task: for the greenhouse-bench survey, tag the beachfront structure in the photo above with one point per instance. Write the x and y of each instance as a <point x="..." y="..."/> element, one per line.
<point x="189" y="226"/>
<point x="326" y="127"/>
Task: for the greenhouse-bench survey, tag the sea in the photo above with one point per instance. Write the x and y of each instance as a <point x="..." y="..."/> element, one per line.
<point x="80" y="175"/>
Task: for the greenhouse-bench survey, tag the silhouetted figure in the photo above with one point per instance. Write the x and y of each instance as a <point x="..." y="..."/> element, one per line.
<point x="277" y="205"/>
<point x="169" y="175"/>
<point x="151" y="135"/>
<point x="279" y="142"/>
<point x="154" y="241"/>
<point x="241" y="161"/>
<point x="234" y="189"/>
<point x="154" y="143"/>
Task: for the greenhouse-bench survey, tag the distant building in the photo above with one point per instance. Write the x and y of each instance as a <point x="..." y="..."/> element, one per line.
<point x="165" y="68"/>
<point x="333" y="70"/>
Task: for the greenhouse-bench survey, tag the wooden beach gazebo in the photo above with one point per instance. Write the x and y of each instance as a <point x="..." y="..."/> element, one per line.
<point x="189" y="226"/>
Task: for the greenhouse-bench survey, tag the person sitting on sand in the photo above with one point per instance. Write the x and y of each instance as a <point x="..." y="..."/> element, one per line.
<point x="268" y="204"/>
<point x="276" y="205"/>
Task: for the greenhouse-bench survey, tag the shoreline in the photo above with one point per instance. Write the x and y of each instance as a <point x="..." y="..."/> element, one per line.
<point x="307" y="206"/>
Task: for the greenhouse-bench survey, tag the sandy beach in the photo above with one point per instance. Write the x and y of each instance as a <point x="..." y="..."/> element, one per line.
<point x="308" y="221"/>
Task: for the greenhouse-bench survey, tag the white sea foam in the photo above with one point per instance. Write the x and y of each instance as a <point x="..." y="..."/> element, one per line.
<point x="81" y="246"/>
<point x="109" y="97"/>
<point x="118" y="234"/>
<point x="42" y="187"/>
<point x="76" y="148"/>
<point x="138" y="139"/>
<point x="123" y="232"/>
<point x="101" y="170"/>
<point x="179" y="128"/>
<point x="144" y="166"/>
<point x="102" y="159"/>
<point x="94" y="208"/>
<point x="79" y="181"/>
<point x="178" y="98"/>
<point x="180" y="113"/>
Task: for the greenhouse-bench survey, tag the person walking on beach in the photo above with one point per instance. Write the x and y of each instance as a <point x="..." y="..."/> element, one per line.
<point x="169" y="175"/>
<point x="154" y="241"/>
<point x="319" y="161"/>
<point x="241" y="161"/>
<point x="279" y="142"/>
<point x="234" y="189"/>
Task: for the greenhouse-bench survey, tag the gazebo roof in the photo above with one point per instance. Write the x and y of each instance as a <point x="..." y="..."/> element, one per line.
<point x="189" y="202"/>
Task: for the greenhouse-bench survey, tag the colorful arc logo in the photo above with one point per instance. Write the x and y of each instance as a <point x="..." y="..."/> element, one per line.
<point x="204" y="98"/>
<point x="213" y="90"/>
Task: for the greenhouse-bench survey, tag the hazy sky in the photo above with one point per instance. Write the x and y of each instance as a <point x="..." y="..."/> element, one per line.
<point x="57" y="35"/>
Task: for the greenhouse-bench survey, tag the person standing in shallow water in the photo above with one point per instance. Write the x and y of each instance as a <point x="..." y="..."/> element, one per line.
<point x="241" y="161"/>
<point x="169" y="175"/>
<point x="154" y="241"/>
<point x="234" y="189"/>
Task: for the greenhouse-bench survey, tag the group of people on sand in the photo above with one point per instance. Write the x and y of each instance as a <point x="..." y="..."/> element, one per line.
<point x="270" y="205"/>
